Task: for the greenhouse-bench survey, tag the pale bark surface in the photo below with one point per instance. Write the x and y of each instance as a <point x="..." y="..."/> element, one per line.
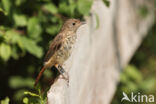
<point x="100" y="53"/>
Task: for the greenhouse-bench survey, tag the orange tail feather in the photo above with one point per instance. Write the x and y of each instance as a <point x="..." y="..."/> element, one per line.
<point x="39" y="75"/>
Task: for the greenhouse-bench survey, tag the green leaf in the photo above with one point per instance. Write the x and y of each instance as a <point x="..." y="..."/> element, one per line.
<point x="50" y="8"/>
<point x="18" y="82"/>
<point x="5" y="51"/>
<point x="124" y="78"/>
<point x="72" y="8"/>
<point x="1" y="10"/>
<point x="148" y="84"/>
<point x="133" y="73"/>
<point x="20" y="20"/>
<point x="25" y="100"/>
<point x="64" y="8"/>
<point x="34" y="28"/>
<point x="56" y="20"/>
<point x="31" y="47"/>
<point x="5" y="101"/>
<point x="132" y="86"/>
<point x="14" y="53"/>
<point x="84" y="6"/>
<point x="19" y="2"/>
<point x="12" y="36"/>
<point x="68" y="9"/>
<point x="106" y="2"/>
<point x="52" y="29"/>
<point x="19" y="94"/>
<point x="6" y="5"/>
<point x="31" y="93"/>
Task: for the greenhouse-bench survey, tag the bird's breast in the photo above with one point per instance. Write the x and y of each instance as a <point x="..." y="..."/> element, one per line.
<point x="66" y="49"/>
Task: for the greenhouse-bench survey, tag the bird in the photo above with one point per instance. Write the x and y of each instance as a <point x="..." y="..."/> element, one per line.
<point x="61" y="47"/>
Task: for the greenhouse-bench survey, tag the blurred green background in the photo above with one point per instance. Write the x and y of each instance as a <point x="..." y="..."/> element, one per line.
<point x="26" y="29"/>
<point x="140" y="74"/>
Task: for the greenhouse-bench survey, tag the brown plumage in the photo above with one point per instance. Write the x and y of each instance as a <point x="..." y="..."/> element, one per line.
<point x="61" y="47"/>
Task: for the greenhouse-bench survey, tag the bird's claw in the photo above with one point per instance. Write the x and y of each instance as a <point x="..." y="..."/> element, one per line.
<point x="64" y="74"/>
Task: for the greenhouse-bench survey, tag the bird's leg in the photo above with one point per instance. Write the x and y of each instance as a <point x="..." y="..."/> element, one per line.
<point x="62" y="72"/>
<point x="61" y="69"/>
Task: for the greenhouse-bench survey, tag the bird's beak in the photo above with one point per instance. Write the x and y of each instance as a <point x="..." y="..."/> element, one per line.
<point x="83" y="22"/>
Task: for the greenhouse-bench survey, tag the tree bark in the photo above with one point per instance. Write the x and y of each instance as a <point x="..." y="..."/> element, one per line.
<point x="101" y="52"/>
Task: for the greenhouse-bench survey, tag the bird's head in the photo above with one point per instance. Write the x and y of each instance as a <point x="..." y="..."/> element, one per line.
<point x="72" y="25"/>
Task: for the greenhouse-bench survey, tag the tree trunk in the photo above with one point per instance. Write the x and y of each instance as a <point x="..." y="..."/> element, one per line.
<point x="102" y="51"/>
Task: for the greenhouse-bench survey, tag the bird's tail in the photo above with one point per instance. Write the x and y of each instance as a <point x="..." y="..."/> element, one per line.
<point x="39" y="75"/>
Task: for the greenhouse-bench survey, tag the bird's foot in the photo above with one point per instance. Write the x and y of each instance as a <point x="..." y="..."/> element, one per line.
<point x="64" y="74"/>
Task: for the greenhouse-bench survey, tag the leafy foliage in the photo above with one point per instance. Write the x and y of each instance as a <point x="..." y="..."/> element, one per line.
<point x="34" y="98"/>
<point x="139" y="75"/>
<point x="5" y="101"/>
<point x="107" y="2"/>
<point x="26" y="28"/>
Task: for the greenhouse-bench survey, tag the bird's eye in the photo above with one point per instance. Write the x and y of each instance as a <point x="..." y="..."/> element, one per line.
<point x="73" y="24"/>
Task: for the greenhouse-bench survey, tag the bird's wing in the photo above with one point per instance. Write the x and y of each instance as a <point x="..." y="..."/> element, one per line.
<point x="54" y="46"/>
